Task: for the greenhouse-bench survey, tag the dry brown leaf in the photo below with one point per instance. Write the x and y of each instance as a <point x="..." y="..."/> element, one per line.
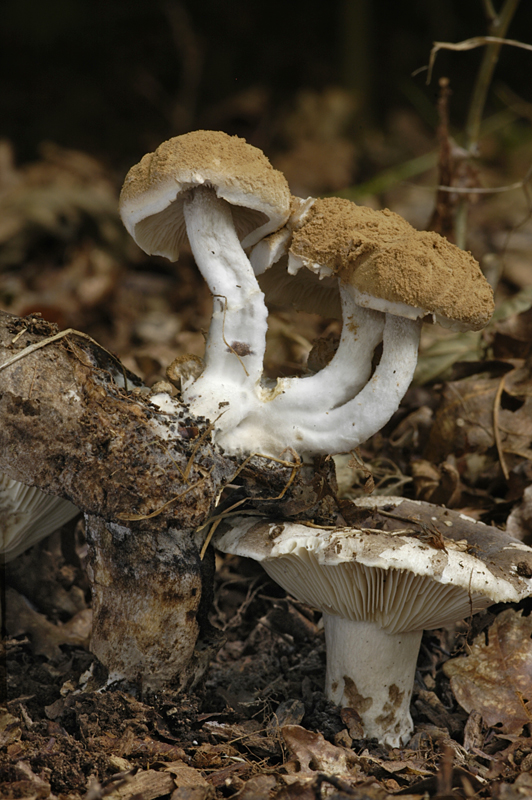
<point x="45" y="637"/>
<point x="27" y="784"/>
<point x="147" y="784"/>
<point x="464" y="420"/>
<point x="314" y="753"/>
<point x="259" y="787"/>
<point x="496" y="678"/>
<point x="519" y="523"/>
<point x="519" y="790"/>
<point x="512" y="336"/>
<point x="477" y="413"/>
<point x="193" y="793"/>
<point x="185" y="775"/>
<point x="10" y="728"/>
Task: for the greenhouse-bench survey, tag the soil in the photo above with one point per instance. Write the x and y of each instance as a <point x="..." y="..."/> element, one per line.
<point x="257" y="724"/>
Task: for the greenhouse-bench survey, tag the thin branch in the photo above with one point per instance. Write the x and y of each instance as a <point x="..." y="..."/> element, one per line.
<point x="61" y="335"/>
<point x="469" y="44"/>
<point x="496" y="429"/>
<point x="489" y="189"/>
<point x="497" y="30"/>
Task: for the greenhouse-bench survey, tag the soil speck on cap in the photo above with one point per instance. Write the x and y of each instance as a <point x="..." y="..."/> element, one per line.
<point x="240" y="348"/>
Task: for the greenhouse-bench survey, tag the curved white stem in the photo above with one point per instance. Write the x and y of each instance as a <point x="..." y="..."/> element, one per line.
<point x="373" y="672"/>
<point x="347" y="372"/>
<point x="275" y="426"/>
<point x="237" y="334"/>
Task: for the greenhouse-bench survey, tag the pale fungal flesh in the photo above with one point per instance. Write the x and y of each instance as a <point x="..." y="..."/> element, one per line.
<point x="378" y="591"/>
<point x="237" y="335"/>
<point x="27" y="515"/>
<point x="187" y="185"/>
<point x="224" y="194"/>
<point x="321" y="427"/>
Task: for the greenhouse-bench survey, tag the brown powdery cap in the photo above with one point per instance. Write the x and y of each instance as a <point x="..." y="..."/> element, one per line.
<point x="385" y="259"/>
<point x="152" y="195"/>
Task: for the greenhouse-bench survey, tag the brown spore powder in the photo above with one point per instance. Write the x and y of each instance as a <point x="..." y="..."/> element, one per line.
<point x="381" y="254"/>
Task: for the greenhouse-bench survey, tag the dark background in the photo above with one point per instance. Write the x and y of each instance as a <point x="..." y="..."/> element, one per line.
<point x="115" y="78"/>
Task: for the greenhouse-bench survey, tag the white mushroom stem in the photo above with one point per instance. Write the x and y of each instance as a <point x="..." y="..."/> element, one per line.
<point x="373" y="672"/>
<point x="237" y="335"/>
<point x="283" y="421"/>
<point x="349" y="369"/>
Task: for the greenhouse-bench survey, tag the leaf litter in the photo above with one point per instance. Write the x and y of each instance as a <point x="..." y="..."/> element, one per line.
<point x="259" y="726"/>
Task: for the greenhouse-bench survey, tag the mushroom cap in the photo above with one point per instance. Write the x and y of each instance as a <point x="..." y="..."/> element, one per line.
<point x="27" y="515"/>
<point x="393" y="579"/>
<point x="391" y="266"/>
<point x="151" y="201"/>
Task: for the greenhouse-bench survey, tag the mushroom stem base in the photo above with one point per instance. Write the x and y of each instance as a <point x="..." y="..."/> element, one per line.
<point x="373" y="672"/>
<point x="146" y="591"/>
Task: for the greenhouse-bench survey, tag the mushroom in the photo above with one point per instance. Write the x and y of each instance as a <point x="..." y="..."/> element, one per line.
<point x="381" y="584"/>
<point x="385" y="275"/>
<point x="27" y="515"/>
<point x="388" y="277"/>
<point x="224" y="195"/>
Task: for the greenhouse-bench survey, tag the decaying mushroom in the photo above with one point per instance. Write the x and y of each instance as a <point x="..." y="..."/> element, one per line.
<point x="379" y="585"/>
<point x="144" y="479"/>
<point x="27" y="515"/>
<point x="224" y="195"/>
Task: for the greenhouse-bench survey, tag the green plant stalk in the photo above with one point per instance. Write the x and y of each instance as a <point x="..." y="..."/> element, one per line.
<point x="498" y="27"/>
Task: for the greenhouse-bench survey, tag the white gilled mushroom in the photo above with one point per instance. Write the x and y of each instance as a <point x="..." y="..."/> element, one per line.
<point x="225" y="196"/>
<point x="27" y="515"/>
<point x="379" y="590"/>
<point x="388" y="277"/>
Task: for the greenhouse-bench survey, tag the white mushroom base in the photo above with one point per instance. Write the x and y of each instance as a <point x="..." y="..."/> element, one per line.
<point x="372" y="672"/>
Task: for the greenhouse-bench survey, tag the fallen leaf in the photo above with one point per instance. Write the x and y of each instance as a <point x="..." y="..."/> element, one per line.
<point x="259" y="787"/>
<point x="496" y="678"/>
<point x="519" y="523"/>
<point x="184" y="775"/>
<point x="478" y="413"/>
<point x="442" y="354"/>
<point x="46" y="638"/>
<point x="314" y="753"/>
<point x="147" y="784"/>
<point x="10" y="728"/>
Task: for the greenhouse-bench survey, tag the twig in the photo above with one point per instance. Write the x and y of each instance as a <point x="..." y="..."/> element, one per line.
<point x="496" y="430"/>
<point x="488" y="190"/>
<point x="229" y="347"/>
<point x="471" y="44"/>
<point x="139" y="517"/>
<point x="442" y="219"/>
<point x="215" y="521"/>
<point x="498" y="26"/>
<point x="56" y="336"/>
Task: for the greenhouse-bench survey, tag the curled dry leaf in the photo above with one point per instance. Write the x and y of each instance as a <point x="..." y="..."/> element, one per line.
<point x="46" y="638"/>
<point x="445" y="349"/>
<point x="519" y="523"/>
<point x="314" y="753"/>
<point x="477" y="413"/>
<point x="148" y="784"/>
<point x="496" y="678"/>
